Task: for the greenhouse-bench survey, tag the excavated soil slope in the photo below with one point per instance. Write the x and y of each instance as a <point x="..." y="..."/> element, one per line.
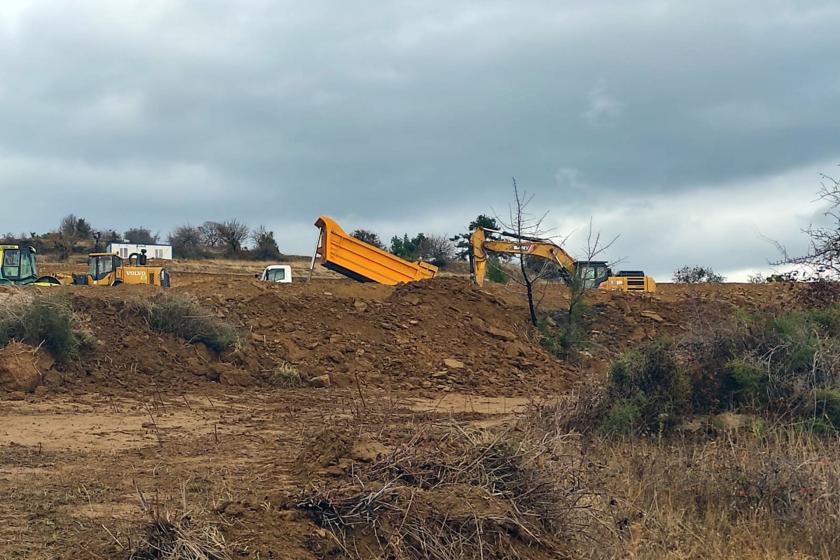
<point x="431" y="337"/>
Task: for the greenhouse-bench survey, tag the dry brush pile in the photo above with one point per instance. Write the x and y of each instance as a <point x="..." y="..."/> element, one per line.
<point x="453" y="493"/>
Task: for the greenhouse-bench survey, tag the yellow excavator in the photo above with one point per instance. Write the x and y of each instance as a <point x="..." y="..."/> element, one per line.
<point x="593" y="274"/>
<point x="19" y="267"/>
<point x="110" y="269"/>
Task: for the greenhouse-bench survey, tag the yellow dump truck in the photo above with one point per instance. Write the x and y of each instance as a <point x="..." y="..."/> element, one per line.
<point x="361" y="261"/>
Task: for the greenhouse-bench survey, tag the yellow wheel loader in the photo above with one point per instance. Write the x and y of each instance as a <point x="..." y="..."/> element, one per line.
<point x="18" y="267"/>
<point x="110" y="269"/>
<point x="593" y="274"/>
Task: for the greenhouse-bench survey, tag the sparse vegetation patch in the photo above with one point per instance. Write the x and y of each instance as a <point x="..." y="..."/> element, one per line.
<point x="183" y="317"/>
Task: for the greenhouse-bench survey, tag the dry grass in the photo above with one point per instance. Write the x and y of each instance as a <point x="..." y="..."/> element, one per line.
<point x="286" y="375"/>
<point x="176" y="536"/>
<point x="770" y="494"/>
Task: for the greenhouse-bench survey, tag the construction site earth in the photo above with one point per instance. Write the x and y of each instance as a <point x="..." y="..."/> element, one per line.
<point x="149" y="420"/>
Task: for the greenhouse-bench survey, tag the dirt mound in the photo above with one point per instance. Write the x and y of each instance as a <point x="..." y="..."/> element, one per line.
<point x="442" y="335"/>
<point x="19" y="367"/>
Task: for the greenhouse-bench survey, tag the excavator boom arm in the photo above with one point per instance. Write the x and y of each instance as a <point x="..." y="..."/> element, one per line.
<point x="542" y="248"/>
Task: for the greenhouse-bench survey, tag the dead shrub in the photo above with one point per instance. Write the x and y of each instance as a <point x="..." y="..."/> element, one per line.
<point x="179" y="538"/>
<point x="450" y="493"/>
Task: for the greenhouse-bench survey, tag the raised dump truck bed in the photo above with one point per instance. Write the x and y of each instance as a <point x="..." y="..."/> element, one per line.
<point x="362" y="261"/>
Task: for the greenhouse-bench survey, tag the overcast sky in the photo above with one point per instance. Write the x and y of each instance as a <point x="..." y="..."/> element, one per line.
<point x="693" y="129"/>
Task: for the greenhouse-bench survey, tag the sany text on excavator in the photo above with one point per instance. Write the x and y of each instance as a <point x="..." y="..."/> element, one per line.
<point x="594" y="274"/>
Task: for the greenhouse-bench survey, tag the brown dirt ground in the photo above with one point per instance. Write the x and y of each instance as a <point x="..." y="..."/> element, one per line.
<point x="148" y="413"/>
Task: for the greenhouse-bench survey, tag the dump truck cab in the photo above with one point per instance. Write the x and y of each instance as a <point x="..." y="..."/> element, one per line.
<point x="110" y="269"/>
<point x="18" y="267"/>
<point x="278" y="273"/>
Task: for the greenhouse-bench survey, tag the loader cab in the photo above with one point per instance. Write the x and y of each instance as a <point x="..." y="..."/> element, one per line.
<point x="592" y="273"/>
<point x="102" y="268"/>
<point x="17" y="265"/>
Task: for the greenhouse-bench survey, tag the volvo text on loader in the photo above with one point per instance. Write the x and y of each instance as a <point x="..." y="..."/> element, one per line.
<point x="19" y="267"/>
<point x="594" y="274"/>
<point x="110" y="269"/>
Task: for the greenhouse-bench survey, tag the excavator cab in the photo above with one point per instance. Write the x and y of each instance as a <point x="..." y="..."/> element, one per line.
<point x="592" y="273"/>
<point x="17" y="266"/>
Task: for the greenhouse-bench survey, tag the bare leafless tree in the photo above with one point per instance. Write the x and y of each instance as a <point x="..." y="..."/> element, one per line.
<point x="436" y="249"/>
<point x="210" y="234"/>
<point x="524" y="224"/>
<point x="822" y="260"/>
<point x="233" y="234"/>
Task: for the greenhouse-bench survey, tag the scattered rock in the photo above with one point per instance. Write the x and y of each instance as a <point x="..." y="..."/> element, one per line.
<point x="236" y="377"/>
<point x="452" y="363"/>
<point x="500" y="334"/>
<point x="360" y="306"/>
<point x="730" y="421"/>
<point x="341" y="379"/>
<point x="652" y="315"/>
<point x="367" y="450"/>
<point x="321" y="381"/>
<point x="19" y="367"/>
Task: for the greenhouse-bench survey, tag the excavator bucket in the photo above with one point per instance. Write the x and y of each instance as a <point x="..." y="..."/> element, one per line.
<point x="361" y="261"/>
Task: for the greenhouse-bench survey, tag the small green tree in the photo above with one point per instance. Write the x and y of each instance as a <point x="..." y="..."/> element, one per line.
<point x="369" y="237"/>
<point x="407" y="248"/>
<point x="462" y="240"/>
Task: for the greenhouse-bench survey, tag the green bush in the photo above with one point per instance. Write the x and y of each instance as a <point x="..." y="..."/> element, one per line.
<point x="495" y="272"/>
<point x="624" y="416"/>
<point x="183" y="317"/>
<point x="42" y="320"/>
<point x="750" y="381"/>
<point x="779" y="363"/>
<point x="827" y="407"/>
<point x="652" y="380"/>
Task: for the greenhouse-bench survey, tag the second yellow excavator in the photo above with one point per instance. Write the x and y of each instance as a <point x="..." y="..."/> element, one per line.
<point x="594" y="274"/>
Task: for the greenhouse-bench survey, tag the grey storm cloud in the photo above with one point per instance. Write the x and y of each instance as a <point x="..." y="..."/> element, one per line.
<point x="693" y="129"/>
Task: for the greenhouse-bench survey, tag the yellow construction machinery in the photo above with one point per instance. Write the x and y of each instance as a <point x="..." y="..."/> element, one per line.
<point x="592" y="273"/>
<point x="361" y="261"/>
<point x="19" y="267"/>
<point x="110" y="269"/>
